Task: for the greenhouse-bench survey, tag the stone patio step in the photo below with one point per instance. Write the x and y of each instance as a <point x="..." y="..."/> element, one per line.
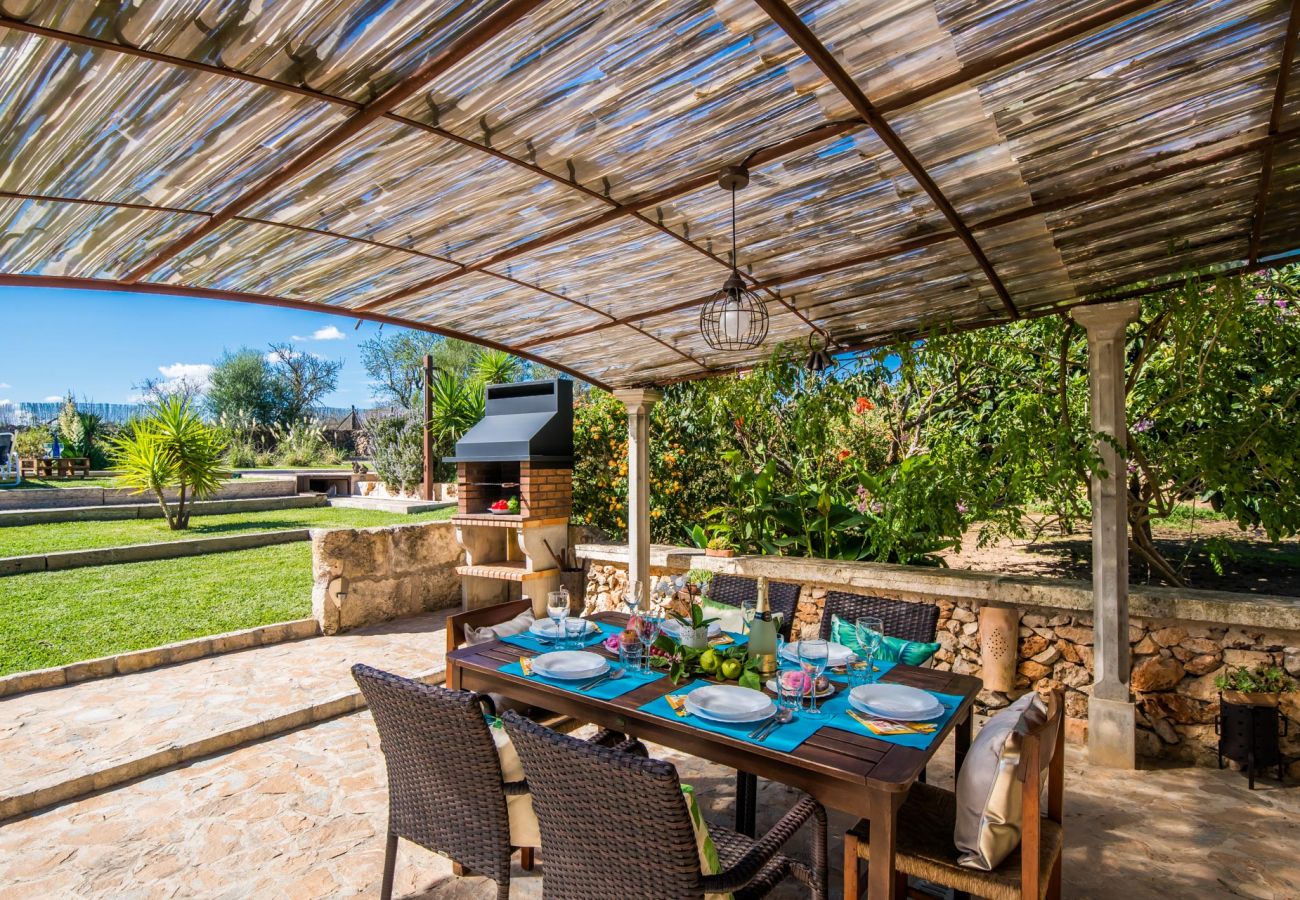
<point x="390" y="504"/>
<point x="62" y="743"/>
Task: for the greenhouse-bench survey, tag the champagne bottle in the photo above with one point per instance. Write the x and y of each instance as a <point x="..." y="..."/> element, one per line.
<point x="762" y="634"/>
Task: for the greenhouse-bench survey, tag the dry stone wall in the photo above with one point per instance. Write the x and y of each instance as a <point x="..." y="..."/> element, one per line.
<point x="368" y="575"/>
<point x="1174" y="660"/>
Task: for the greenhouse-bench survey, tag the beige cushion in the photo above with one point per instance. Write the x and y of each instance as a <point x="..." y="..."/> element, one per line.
<point x="988" y="793"/>
<point x="517" y="625"/>
<point x="523" y="821"/>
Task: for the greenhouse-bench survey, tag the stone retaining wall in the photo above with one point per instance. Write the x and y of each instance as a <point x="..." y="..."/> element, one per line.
<point x="107" y="556"/>
<point x="368" y="575"/>
<point x="118" y="511"/>
<point x="45" y="498"/>
<point x="1180" y="640"/>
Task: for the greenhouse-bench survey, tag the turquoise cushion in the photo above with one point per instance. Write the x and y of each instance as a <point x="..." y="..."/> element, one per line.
<point x="892" y="649"/>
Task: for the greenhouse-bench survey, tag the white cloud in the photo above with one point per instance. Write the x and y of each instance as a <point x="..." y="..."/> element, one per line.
<point x="4" y="385"/>
<point x="178" y="377"/>
<point x="328" y="333"/>
<point x="54" y="398"/>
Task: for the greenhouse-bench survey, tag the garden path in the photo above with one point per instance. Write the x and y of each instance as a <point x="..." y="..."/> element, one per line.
<point x="67" y="741"/>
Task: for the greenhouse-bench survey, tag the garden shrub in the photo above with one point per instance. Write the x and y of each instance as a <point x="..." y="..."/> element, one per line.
<point x="397" y="445"/>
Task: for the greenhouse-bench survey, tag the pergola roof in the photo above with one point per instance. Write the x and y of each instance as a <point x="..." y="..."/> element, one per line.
<point x="541" y="176"/>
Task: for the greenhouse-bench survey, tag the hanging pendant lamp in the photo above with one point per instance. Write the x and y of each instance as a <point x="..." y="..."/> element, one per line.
<point x="734" y="318"/>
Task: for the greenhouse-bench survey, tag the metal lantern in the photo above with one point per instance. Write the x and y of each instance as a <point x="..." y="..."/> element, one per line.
<point x="818" y="359"/>
<point x="734" y="318"/>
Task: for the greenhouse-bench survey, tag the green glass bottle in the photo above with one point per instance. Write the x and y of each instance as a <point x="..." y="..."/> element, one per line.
<point x="762" y="634"/>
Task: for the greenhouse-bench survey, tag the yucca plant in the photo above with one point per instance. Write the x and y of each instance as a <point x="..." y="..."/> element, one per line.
<point x="171" y="448"/>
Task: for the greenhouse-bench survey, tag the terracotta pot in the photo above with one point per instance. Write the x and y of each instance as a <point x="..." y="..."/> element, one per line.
<point x="1242" y="698"/>
<point x="719" y="553"/>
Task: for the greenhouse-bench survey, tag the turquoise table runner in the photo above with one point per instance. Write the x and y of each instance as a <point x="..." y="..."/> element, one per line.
<point x="789" y="736"/>
<point x="606" y="690"/>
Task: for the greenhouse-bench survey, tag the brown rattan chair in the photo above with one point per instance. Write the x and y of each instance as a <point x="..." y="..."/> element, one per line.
<point x="616" y="825"/>
<point x="909" y="621"/>
<point x="445" y="788"/>
<point x="735" y="589"/>
<point x="925" y="847"/>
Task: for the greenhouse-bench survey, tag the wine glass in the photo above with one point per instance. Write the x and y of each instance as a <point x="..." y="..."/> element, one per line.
<point x="748" y="609"/>
<point x="870" y="631"/>
<point x="647" y="629"/>
<point x="557" y="607"/>
<point x="812" y="658"/>
<point x="632" y="595"/>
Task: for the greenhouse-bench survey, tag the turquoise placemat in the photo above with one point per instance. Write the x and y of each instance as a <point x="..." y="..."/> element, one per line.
<point x="606" y="690"/>
<point x="786" y="738"/>
<point x="529" y="641"/>
<point x="839" y="706"/>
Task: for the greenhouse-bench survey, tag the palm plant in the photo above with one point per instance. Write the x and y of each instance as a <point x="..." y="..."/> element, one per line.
<point x="172" y="448"/>
<point x="457" y="406"/>
<point x="496" y="367"/>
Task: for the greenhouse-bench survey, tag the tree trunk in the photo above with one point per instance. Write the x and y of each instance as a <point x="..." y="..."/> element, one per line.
<point x="1143" y="544"/>
<point x="167" y="510"/>
<point x="182" y="516"/>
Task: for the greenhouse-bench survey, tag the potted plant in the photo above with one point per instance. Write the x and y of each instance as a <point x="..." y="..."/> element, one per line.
<point x="697" y="581"/>
<point x="718" y="546"/>
<point x="1260" y="686"/>
<point x="693" y="632"/>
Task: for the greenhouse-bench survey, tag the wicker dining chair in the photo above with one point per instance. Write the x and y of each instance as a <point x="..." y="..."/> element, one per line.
<point x="926" y="822"/>
<point x="909" y="621"/>
<point x="445" y="787"/>
<point x="617" y="825"/>
<point x="735" y="589"/>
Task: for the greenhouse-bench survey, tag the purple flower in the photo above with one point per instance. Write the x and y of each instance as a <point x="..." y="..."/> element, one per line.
<point x="877" y="508"/>
<point x="1143" y="425"/>
<point x="962" y="508"/>
<point x="1132" y="467"/>
<point x="1262" y="300"/>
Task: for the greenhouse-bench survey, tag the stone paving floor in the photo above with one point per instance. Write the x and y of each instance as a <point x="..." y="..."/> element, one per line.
<point x="129" y="725"/>
<point x="302" y="816"/>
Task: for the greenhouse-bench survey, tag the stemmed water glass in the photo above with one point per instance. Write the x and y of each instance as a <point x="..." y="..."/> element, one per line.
<point x="632" y="595"/>
<point x="557" y="607"/>
<point x="812" y="658"/>
<point x="748" y="608"/>
<point x="871" y="631"/>
<point x="647" y="629"/>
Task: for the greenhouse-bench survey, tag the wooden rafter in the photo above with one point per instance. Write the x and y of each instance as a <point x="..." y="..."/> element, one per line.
<point x="505" y="16"/>
<point x="1146" y="175"/>
<point x="181" y="290"/>
<point x="1274" y="125"/>
<point x="789" y="22"/>
<point x="398" y="248"/>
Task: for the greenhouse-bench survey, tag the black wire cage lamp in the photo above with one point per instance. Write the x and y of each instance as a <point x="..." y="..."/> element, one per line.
<point x="734" y="318"/>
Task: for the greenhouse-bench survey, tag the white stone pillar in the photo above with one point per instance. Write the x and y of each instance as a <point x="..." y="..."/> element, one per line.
<point x="638" y="402"/>
<point x="1111" y="720"/>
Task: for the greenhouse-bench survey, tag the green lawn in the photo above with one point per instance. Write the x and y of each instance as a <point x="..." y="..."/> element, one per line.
<point x="40" y="483"/>
<point x="21" y="540"/>
<point x="54" y="618"/>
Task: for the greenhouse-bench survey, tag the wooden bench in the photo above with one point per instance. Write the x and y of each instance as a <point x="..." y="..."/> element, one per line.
<point x="49" y="467"/>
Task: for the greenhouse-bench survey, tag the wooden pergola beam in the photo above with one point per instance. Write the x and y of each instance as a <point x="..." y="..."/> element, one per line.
<point x="1109" y="189"/>
<point x="505" y="16"/>
<point x="181" y="290"/>
<point x="1274" y="124"/>
<point x="79" y="201"/>
<point x="789" y="22"/>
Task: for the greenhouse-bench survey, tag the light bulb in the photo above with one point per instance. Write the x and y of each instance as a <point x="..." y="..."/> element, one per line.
<point x="735" y="320"/>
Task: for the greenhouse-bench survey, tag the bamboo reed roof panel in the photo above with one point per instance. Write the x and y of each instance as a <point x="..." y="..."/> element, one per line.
<point x="541" y="176"/>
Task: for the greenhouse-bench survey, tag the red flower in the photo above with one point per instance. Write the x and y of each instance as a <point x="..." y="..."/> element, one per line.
<point x="844" y="454"/>
<point x="740" y="421"/>
<point x="863" y="405"/>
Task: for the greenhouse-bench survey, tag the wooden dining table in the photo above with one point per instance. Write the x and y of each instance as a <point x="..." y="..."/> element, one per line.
<point x="843" y="770"/>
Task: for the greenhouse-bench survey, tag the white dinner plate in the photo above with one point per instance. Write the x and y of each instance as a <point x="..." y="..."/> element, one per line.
<point x="672" y="628"/>
<point x="836" y="654"/>
<point x="546" y="627"/>
<point x="570" y="664"/>
<point x="895" y="701"/>
<point x="830" y="689"/>
<point x="730" y="703"/>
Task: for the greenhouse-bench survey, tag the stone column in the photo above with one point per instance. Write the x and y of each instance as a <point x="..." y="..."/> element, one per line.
<point x="638" y="402"/>
<point x="1111" y="720"/>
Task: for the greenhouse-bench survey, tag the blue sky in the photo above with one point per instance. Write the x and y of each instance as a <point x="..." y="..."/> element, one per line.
<point x="98" y="344"/>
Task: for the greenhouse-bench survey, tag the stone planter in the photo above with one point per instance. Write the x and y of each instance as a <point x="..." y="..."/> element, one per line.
<point x="1258" y="698"/>
<point x="724" y="554"/>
